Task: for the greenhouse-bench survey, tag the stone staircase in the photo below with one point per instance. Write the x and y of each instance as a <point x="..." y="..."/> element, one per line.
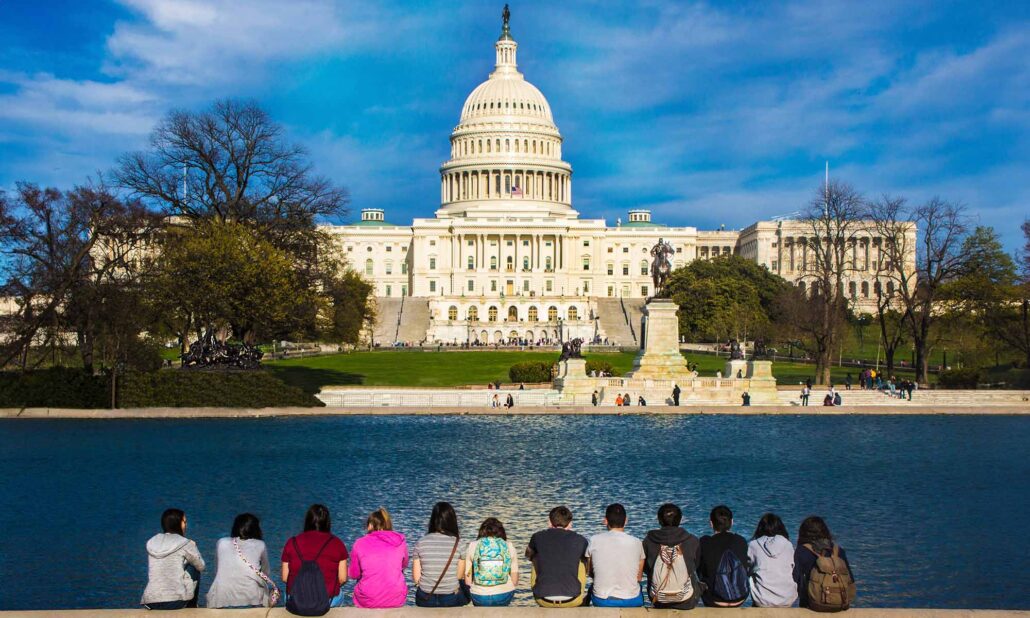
<point x="414" y="320"/>
<point x="349" y="397"/>
<point x="620" y="320"/>
<point x="388" y="313"/>
<point x="856" y="397"/>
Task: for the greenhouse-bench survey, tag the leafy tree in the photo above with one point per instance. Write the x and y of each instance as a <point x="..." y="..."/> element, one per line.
<point x="727" y="297"/>
<point x="350" y="307"/>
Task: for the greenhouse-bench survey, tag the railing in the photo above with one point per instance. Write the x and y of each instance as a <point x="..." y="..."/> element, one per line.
<point x="345" y="398"/>
<point x="629" y="322"/>
<point x="400" y="314"/>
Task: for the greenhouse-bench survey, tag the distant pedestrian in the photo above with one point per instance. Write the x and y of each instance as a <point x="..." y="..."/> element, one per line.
<point x="828" y="400"/>
<point x="746" y="398"/>
<point x="911" y="386"/>
<point x="836" y="399"/>
<point x="509" y="402"/>
<point x="805" y="393"/>
<point x="847" y="382"/>
<point x="740" y="374"/>
<point x="618" y="400"/>
<point x="627" y="400"/>
<point x="641" y="401"/>
<point x="522" y="387"/>
<point x="495" y="402"/>
<point x="594" y="399"/>
<point x="174" y="566"/>
<point x="676" y="394"/>
<point x="808" y="383"/>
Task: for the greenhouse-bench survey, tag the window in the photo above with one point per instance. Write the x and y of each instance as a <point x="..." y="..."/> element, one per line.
<point x="493" y="285"/>
<point x="586" y="242"/>
<point x="350" y="249"/>
<point x="525" y="243"/>
<point x="388" y="266"/>
<point x="473" y="314"/>
<point x="611" y="269"/>
<point x="610" y="249"/>
<point x="547" y="264"/>
<point x="552" y="314"/>
<point x="472" y="285"/>
<point x="471" y="243"/>
<point x="432" y="286"/>
<point x="432" y="243"/>
<point x="369" y="266"/>
<point x="586" y="287"/>
<point x="644" y="268"/>
<point x="625" y="249"/>
<point x="865" y="289"/>
<point x="625" y="270"/>
<point x="471" y="263"/>
<point x="573" y="313"/>
<point x="389" y="290"/>
<point x="389" y="248"/>
<point x="525" y="285"/>
<point x="509" y="263"/>
<point x="491" y="314"/>
<point x="452" y="313"/>
<point x="532" y="315"/>
<point x="678" y="249"/>
<point x="513" y="313"/>
<point x="509" y="243"/>
<point x="525" y="263"/>
<point x="432" y="263"/>
<point x="549" y="285"/>
<point x="586" y="263"/>
<point x="493" y="262"/>
<point x="643" y="291"/>
<point x="404" y="268"/>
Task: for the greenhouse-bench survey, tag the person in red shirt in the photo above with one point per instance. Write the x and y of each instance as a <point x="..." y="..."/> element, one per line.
<point x="332" y="561"/>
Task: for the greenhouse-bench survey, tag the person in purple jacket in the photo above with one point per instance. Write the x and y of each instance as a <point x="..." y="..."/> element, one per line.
<point x="377" y="562"/>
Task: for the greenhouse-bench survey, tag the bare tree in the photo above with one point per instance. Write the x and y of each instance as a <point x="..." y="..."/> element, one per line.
<point x="834" y="217"/>
<point x="942" y="227"/>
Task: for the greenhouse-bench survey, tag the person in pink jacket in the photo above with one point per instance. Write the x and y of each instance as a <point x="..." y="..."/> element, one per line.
<point x="377" y="562"/>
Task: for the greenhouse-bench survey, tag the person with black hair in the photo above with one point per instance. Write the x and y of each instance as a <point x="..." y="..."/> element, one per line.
<point x="242" y="574"/>
<point x="616" y="562"/>
<point x="317" y="543"/>
<point x="491" y="566"/>
<point x="558" y="554"/>
<point x="174" y="566"/>
<point x="438" y="563"/>
<point x="814" y="540"/>
<point x="772" y="564"/>
<point x="724" y="563"/>
<point x="671" y="555"/>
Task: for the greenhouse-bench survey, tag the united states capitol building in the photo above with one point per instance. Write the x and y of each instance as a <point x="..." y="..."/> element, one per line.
<point x="507" y="256"/>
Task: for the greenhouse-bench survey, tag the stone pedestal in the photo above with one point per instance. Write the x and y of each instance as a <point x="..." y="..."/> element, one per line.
<point x="659" y="357"/>
<point x="572" y="368"/>
<point x="762" y="384"/>
<point x="729" y="371"/>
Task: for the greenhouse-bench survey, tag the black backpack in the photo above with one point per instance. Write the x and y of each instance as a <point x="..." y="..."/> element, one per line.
<point x="308" y="597"/>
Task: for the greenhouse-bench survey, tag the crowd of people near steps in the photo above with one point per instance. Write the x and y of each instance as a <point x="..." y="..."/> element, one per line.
<point x="867" y="380"/>
<point x="678" y="570"/>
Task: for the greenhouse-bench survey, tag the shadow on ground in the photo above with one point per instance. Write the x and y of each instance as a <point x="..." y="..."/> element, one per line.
<point x="311" y="380"/>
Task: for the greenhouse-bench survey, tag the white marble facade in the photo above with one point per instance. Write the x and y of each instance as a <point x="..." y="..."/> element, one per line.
<point x="506" y="255"/>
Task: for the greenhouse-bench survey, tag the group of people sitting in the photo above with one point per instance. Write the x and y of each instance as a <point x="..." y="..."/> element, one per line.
<point x="873" y="380"/>
<point x="721" y="569"/>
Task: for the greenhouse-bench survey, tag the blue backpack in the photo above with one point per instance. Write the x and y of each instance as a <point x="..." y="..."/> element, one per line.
<point x="730" y="578"/>
<point x="308" y="597"/>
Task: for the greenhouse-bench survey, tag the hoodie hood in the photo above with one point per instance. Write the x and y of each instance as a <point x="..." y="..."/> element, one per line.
<point x="668" y="535"/>
<point x="385" y="538"/>
<point x="774" y="546"/>
<point x="165" y="544"/>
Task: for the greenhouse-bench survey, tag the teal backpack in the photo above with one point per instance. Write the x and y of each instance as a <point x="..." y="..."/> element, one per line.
<point x="491" y="566"/>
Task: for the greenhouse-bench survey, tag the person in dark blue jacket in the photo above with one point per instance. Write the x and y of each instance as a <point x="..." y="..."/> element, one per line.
<point x="814" y="534"/>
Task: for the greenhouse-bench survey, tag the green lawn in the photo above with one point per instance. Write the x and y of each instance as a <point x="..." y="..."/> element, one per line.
<point x="459" y="368"/>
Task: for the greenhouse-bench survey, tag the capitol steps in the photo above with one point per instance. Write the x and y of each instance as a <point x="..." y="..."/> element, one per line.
<point x="388" y="312"/>
<point x="414" y="320"/>
<point x="614" y="323"/>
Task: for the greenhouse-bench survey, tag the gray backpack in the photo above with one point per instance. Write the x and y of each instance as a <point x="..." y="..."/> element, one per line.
<point x="670" y="581"/>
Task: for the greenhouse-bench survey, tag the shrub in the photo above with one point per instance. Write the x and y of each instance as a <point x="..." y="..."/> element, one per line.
<point x="959" y="378"/>
<point x="530" y="371"/>
<point x="600" y="367"/>
<point x="183" y="388"/>
<point x="56" y="387"/>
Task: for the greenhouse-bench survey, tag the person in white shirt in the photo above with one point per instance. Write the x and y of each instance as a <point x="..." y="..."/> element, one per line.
<point x="616" y="561"/>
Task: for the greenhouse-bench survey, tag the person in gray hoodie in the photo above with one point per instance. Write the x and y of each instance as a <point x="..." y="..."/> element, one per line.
<point x="174" y="566"/>
<point x="772" y="564"/>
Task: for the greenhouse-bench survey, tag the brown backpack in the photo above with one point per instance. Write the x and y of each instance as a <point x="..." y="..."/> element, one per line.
<point x="830" y="587"/>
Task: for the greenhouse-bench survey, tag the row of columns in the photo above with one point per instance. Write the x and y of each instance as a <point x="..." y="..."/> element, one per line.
<point x="479" y="251"/>
<point x="500" y="183"/>
<point x="865" y="253"/>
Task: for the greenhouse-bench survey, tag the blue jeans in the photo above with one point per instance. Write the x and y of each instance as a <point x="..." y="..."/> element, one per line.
<point x="452" y="599"/>
<point x="493" y="600"/>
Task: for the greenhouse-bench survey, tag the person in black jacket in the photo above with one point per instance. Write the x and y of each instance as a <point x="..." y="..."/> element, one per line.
<point x="813" y="538"/>
<point x="712" y="550"/>
<point x="671" y="535"/>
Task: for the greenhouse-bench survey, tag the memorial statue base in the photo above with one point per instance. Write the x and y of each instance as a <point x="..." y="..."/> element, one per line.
<point x="660" y="357"/>
<point x="732" y="367"/>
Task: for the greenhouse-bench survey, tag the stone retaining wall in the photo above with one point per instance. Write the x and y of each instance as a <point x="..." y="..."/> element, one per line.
<point x="524" y="612"/>
<point x="907" y="410"/>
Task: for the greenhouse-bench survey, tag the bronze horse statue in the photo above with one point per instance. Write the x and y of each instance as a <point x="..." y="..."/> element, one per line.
<point x="661" y="266"/>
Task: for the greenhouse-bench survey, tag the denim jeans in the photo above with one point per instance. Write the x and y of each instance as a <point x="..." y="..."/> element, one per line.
<point x="597" y="601"/>
<point x="493" y="600"/>
<point x="451" y="599"/>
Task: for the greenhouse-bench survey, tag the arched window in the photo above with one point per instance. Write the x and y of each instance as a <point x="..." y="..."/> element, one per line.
<point x="547" y="263"/>
<point x="516" y="145"/>
<point x="611" y="269"/>
<point x="388" y="267"/>
<point x="488" y="145"/>
<point x="552" y="314"/>
<point x="534" y="146"/>
<point x="507" y="145"/>
<point x="586" y="263"/>
<point x="480" y="146"/>
<point x="573" y="313"/>
<point x="369" y="266"/>
<point x="890" y="289"/>
<point x="852" y="291"/>
<point x="452" y="313"/>
<point x="801" y="286"/>
<point x="471" y="263"/>
<point x="513" y="313"/>
<point x="509" y="262"/>
<point x="525" y="263"/>
<point x="644" y="268"/>
<point x="865" y="289"/>
<point x="493" y="262"/>
<point x="473" y="314"/>
<point x="491" y="314"/>
<point x="533" y="317"/>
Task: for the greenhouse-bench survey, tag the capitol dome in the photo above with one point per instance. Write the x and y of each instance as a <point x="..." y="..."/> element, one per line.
<point x="506" y="147"/>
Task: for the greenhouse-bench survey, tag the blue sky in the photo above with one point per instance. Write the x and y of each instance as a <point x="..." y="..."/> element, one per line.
<point x="707" y="113"/>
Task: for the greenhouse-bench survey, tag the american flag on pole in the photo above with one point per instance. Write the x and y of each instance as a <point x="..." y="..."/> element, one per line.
<point x="516" y="191"/>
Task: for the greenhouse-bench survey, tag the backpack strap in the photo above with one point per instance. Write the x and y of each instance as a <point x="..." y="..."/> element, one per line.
<point x="446" y="568"/>
<point x="668" y="571"/>
<point x="324" y="545"/>
<point x="296" y="548"/>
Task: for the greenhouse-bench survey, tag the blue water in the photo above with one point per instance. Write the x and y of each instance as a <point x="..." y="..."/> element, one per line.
<point x="934" y="511"/>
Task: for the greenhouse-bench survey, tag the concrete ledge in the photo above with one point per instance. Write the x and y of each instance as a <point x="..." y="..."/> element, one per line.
<point x="168" y="413"/>
<point x="523" y="612"/>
